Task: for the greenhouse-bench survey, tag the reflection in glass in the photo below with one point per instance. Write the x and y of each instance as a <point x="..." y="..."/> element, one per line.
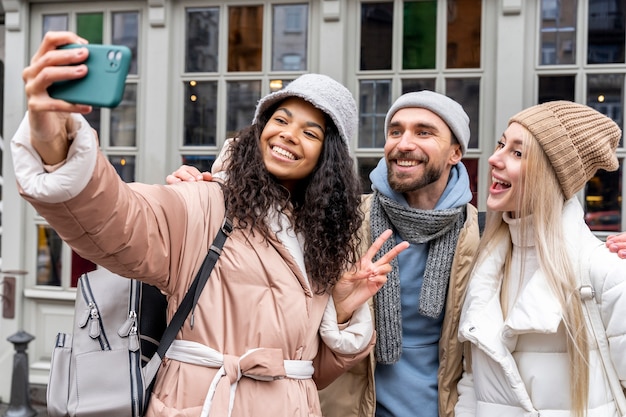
<point x="125" y="166"/>
<point x="200" y="113"/>
<point x="245" y="38"/>
<point x="202" y="35"/>
<point x="89" y="26"/>
<point x="48" y="256"/>
<point x="290" y="37"/>
<point x="374" y="101"/>
<point x="124" y="119"/>
<point x="126" y="32"/>
<point x="464" y="21"/>
<point x="466" y="91"/>
<point x="606" y="33"/>
<point x="202" y="162"/>
<point x="80" y="265"/>
<point x="605" y="93"/>
<point x="472" y="170"/>
<point x="54" y="22"/>
<point x="364" y="167"/>
<point x="241" y="100"/>
<point x="419" y="37"/>
<point x="376" y="35"/>
<point x="94" y="118"/>
<point x="418" y="84"/>
<point x="556" y="87"/>
<point x="558" y="32"/>
<point x="603" y="201"/>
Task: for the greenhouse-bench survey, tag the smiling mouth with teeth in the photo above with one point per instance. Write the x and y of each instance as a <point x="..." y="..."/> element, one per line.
<point x="283" y="152"/>
<point x="499" y="185"/>
<point x="406" y="162"/>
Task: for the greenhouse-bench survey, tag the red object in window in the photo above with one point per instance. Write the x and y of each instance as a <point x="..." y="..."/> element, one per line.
<point x="80" y="266"/>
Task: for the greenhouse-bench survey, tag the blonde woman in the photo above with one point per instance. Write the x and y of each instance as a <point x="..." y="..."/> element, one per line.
<point x="532" y="353"/>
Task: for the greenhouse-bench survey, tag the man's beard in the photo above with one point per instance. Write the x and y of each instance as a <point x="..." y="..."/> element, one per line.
<point x="400" y="184"/>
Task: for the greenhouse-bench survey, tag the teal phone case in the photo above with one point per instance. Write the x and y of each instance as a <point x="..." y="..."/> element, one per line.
<point x="103" y="86"/>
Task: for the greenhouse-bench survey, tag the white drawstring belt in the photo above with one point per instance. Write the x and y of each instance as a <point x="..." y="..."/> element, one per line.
<point x="262" y="364"/>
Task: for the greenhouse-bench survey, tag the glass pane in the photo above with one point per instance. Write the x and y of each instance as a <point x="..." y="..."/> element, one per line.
<point x="55" y="22"/>
<point x="276" y="85"/>
<point x="419" y="35"/>
<point x="464" y="21"/>
<point x="245" y="38"/>
<point x="466" y="91"/>
<point x="374" y="101"/>
<point x="558" y="32"/>
<point x="126" y="32"/>
<point x="200" y="113"/>
<point x="202" y="35"/>
<point x="418" y="85"/>
<point x="376" y="35"/>
<point x="241" y="100"/>
<point x="365" y="166"/>
<point x="606" y="31"/>
<point x="605" y="93"/>
<point x="556" y="88"/>
<point x="202" y="162"/>
<point x="472" y="171"/>
<point x="94" y="119"/>
<point x="290" y="25"/>
<point x="603" y="199"/>
<point x="80" y="265"/>
<point x="125" y="166"/>
<point x="124" y="119"/>
<point x="89" y="26"/>
<point x="48" y="256"/>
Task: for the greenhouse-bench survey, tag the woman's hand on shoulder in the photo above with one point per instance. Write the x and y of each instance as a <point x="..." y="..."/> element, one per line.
<point x="359" y="284"/>
<point x="188" y="173"/>
<point x="617" y="244"/>
<point x="49" y="118"/>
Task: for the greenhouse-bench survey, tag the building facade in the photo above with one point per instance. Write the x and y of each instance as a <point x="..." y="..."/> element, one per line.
<point x="199" y="67"/>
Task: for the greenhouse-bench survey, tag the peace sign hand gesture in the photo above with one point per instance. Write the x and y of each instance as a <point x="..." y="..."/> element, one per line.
<point x="363" y="281"/>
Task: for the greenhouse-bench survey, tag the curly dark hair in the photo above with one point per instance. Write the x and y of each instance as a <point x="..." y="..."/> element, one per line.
<point x="324" y="208"/>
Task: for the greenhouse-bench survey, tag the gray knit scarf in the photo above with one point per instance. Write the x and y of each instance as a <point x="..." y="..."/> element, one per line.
<point x="441" y="228"/>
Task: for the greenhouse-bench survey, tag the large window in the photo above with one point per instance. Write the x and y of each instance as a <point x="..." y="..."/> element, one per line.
<point x="412" y="45"/>
<point x="233" y="55"/>
<point x="581" y="58"/>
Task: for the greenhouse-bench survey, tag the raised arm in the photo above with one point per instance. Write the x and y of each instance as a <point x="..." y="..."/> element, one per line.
<point x="51" y="126"/>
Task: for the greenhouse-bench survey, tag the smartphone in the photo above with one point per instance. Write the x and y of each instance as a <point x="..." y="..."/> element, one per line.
<point x="103" y="86"/>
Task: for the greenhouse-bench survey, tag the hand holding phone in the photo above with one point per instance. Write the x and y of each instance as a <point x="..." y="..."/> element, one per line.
<point x="103" y="86"/>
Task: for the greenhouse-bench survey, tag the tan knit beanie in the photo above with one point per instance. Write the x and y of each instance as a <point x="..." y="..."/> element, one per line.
<point x="577" y="139"/>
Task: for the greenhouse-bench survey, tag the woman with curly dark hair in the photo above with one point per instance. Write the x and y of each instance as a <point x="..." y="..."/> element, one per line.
<point x="285" y="309"/>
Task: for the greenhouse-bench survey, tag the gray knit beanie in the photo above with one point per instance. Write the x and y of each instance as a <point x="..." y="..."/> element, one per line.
<point x="578" y="140"/>
<point x="324" y="93"/>
<point x="449" y="110"/>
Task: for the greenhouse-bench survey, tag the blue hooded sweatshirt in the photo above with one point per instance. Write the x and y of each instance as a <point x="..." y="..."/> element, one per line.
<point x="409" y="387"/>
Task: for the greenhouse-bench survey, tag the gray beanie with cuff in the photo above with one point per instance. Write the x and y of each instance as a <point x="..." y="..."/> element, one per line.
<point x="323" y="92"/>
<point x="448" y="110"/>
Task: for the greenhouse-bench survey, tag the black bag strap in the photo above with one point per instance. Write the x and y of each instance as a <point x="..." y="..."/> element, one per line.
<point x="193" y="293"/>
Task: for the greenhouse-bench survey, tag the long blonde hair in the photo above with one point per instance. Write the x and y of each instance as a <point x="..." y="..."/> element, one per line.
<point x="542" y="198"/>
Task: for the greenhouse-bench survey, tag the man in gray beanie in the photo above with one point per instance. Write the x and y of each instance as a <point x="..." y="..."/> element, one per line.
<point x="422" y="192"/>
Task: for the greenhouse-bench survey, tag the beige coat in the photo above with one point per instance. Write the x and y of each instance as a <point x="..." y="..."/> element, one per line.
<point x="256" y="297"/>
<point x="353" y="394"/>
